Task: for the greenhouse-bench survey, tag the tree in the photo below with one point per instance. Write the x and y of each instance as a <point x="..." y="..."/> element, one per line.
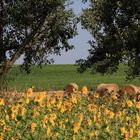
<point x="115" y="28"/>
<point x="34" y="29"/>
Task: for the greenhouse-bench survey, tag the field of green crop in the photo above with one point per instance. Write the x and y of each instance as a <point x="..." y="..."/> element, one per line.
<point x="57" y="76"/>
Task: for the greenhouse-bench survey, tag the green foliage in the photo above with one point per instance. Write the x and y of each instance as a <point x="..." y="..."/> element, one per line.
<point x="115" y="28"/>
<point x="34" y="29"/>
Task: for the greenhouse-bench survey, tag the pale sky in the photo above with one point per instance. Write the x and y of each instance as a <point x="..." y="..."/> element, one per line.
<point x="80" y="42"/>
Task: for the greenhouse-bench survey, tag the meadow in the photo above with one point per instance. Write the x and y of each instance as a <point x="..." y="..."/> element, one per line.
<point x="56" y="77"/>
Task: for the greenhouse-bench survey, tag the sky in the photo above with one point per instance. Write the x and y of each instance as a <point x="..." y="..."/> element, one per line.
<point x="80" y="42"/>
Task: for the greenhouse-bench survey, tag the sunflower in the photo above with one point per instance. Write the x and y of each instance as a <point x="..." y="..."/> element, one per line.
<point x="81" y="116"/>
<point x="84" y="90"/>
<point x="138" y="105"/>
<point x="39" y="97"/>
<point x="92" y="108"/>
<point x="129" y="103"/>
<point x="73" y="99"/>
<point x="1" y="101"/>
<point x="59" y="96"/>
<point x="53" y="116"/>
<point x="68" y="105"/>
<point x="96" y="95"/>
<point x="29" y="92"/>
<point x="23" y="111"/>
<point x="89" y="122"/>
<point x="33" y="127"/>
<point x="76" y="127"/>
<point x="15" y="109"/>
<point x="49" y="132"/>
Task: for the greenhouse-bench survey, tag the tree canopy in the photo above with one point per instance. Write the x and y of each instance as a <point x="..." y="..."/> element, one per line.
<point x="34" y="29"/>
<point x="115" y="28"/>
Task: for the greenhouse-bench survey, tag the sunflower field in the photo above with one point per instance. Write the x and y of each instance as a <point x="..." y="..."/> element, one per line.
<point x="75" y="116"/>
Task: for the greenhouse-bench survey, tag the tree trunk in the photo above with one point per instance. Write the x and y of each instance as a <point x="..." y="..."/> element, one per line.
<point x="2" y="49"/>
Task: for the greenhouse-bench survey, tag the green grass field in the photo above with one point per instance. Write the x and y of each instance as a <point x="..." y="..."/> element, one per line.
<point x="57" y="76"/>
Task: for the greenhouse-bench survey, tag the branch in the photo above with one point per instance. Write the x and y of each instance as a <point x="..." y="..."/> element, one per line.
<point x="27" y="41"/>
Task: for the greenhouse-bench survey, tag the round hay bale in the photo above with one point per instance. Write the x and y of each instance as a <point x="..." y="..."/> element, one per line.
<point x="71" y="87"/>
<point x="130" y="90"/>
<point x="139" y="90"/>
<point x="101" y="89"/>
<point x="110" y="88"/>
